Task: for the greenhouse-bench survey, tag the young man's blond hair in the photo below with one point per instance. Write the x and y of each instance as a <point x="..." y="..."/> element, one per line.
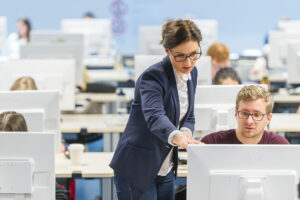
<point x="253" y="92"/>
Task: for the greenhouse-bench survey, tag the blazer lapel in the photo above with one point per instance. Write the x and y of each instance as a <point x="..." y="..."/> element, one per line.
<point x="175" y="100"/>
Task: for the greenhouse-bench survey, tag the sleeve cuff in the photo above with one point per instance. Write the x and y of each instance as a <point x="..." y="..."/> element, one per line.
<point x="171" y="136"/>
<point x="187" y="129"/>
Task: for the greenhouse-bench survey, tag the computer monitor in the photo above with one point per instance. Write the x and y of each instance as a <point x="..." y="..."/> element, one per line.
<point x="97" y="34"/>
<point x="243" y="172"/>
<point x="293" y="63"/>
<point x="209" y="31"/>
<point x="56" y="51"/>
<point x="27" y="165"/>
<point x="149" y="40"/>
<point x="55" y="37"/>
<point x="142" y="62"/>
<point x="215" y="107"/>
<point x="289" y="25"/>
<point x="278" y="40"/>
<point x="204" y="70"/>
<point x="37" y="107"/>
<point x="49" y="74"/>
<point x="3" y="31"/>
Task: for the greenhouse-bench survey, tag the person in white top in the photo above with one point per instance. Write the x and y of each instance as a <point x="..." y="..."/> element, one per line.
<point x="15" y="40"/>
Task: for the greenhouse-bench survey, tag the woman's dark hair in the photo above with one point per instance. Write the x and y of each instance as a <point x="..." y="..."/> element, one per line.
<point x="12" y="121"/>
<point x="226" y="72"/>
<point x="175" y="32"/>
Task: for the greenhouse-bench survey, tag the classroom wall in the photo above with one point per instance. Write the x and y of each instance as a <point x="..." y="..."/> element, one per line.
<point x="242" y="23"/>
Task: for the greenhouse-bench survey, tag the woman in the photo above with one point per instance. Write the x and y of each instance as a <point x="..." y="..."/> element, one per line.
<point x="161" y="118"/>
<point x="12" y="121"/>
<point x="15" y="40"/>
<point x="24" y="83"/>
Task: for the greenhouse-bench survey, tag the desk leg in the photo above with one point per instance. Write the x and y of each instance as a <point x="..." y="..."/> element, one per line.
<point x="107" y="188"/>
<point x="107" y="142"/>
<point x="115" y="141"/>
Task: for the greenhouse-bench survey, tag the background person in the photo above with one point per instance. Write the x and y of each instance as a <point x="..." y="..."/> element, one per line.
<point x="226" y="76"/>
<point x="12" y="121"/>
<point x="15" y="40"/>
<point x="24" y="83"/>
<point x="219" y="54"/>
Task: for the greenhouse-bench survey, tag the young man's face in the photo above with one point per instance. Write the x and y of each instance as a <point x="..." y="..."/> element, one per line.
<point x="250" y="130"/>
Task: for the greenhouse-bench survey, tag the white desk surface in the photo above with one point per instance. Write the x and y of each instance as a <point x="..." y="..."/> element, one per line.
<point x="279" y="98"/>
<point x="97" y="97"/>
<point x="94" y="123"/>
<point x="94" y="165"/>
<point x="285" y="122"/>
<point x="119" y="75"/>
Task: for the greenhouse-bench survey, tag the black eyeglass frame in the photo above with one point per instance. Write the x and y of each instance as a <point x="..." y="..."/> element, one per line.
<point x="185" y="56"/>
<point x="262" y="115"/>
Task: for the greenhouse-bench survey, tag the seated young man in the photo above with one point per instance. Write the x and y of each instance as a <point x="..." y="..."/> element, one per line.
<point x="253" y="113"/>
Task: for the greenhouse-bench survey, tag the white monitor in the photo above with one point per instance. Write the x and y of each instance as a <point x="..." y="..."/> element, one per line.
<point x="55" y="37"/>
<point x="37" y="107"/>
<point x="3" y="31"/>
<point x="243" y="172"/>
<point x="204" y="70"/>
<point x="49" y="74"/>
<point x="289" y="25"/>
<point x="215" y="107"/>
<point x="142" y="62"/>
<point x="209" y="31"/>
<point x="97" y="34"/>
<point x="149" y="40"/>
<point x="293" y="63"/>
<point x="56" y="51"/>
<point x="278" y="40"/>
<point x="27" y="166"/>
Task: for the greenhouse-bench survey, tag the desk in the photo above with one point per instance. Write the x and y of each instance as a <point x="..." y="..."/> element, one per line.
<point x="278" y="98"/>
<point x="120" y="75"/>
<point x="111" y="125"/>
<point x="94" y="165"/>
<point x="97" y="97"/>
<point x="285" y="122"/>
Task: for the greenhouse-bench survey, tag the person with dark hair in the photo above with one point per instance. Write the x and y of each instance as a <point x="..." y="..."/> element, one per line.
<point x="12" y="121"/>
<point x="89" y="15"/>
<point x="161" y="118"/>
<point x="226" y="76"/>
<point x="15" y="40"/>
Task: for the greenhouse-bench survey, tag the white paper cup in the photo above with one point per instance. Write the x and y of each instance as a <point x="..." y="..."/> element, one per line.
<point x="76" y="151"/>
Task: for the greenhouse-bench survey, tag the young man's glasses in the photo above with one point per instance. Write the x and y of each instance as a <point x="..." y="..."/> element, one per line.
<point x="255" y="116"/>
<point x="192" y="56"/>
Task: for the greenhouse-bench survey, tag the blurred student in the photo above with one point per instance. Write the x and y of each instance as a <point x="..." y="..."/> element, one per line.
<point x="24" y="83"/>
<point x="219" y="54"/>
<point x="89" y="15"/>
<point x="12" y="121"/>
<point x="28" y="83"/>
<point x="15" y="40"/>
<point x="226" y="76"/>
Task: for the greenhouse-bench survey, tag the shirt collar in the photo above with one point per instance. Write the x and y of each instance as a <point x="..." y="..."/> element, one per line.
<point x="185" y="77"/>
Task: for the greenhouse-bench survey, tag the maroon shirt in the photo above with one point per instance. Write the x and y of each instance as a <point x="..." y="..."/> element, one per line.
<point x="229" y="137"/>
